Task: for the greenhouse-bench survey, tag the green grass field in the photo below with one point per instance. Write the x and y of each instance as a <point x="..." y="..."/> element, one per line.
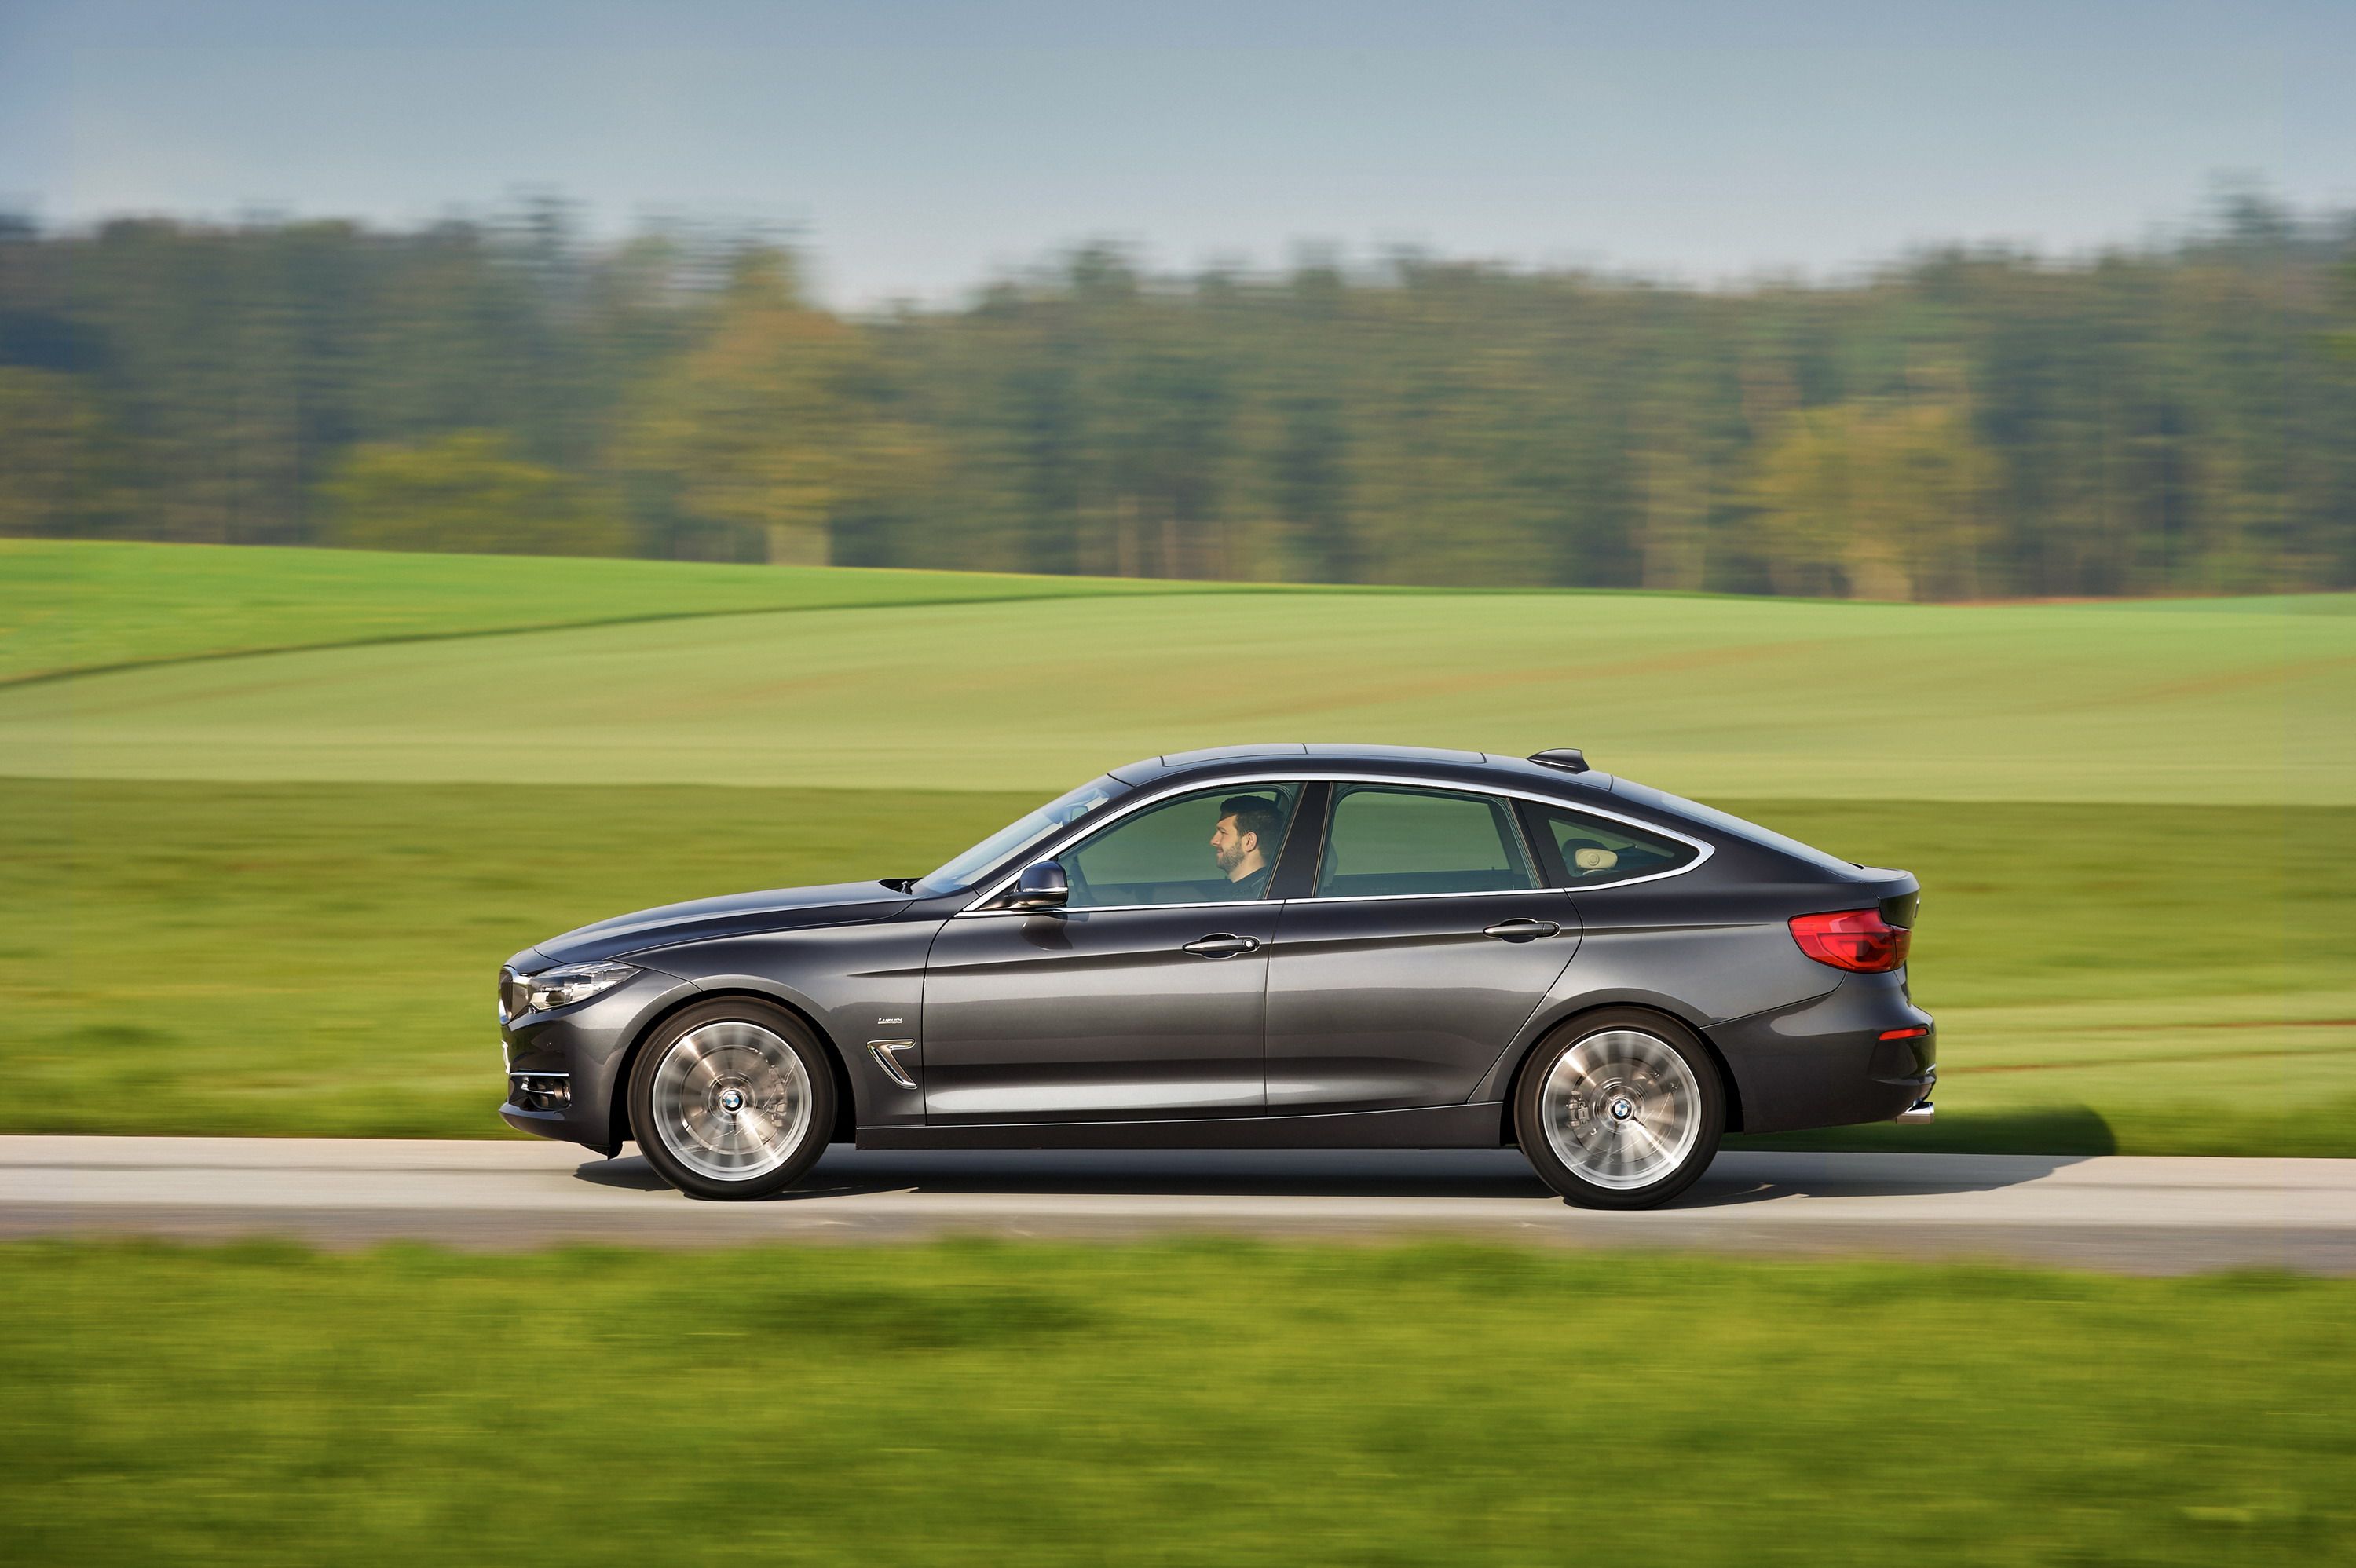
<point x="1214" y="1405"/>
<point x="1722" y="697"/>
<point x="228" y="878"/>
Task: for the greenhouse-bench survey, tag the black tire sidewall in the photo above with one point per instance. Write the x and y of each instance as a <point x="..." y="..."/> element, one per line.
<point x="1529" y="1129"/>
<point x="796" y="1035"/>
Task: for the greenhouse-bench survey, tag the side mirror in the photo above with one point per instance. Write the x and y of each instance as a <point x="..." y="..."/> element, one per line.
<point x="1042" y="886"/>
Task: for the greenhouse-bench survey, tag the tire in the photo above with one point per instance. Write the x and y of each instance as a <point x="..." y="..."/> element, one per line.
<point x="761" y="1058"/>
<point x="1621" y="1109"/>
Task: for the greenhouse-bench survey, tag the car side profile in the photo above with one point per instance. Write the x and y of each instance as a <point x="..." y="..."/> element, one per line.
<point x="1285" y="945"/>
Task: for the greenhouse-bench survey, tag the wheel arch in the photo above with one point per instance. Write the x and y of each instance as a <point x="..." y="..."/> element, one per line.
<point x="846" y="1108"/>
<point x="1587" y="1007"/>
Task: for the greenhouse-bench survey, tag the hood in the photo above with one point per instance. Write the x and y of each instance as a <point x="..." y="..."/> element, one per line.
<point x="736" y="914"/>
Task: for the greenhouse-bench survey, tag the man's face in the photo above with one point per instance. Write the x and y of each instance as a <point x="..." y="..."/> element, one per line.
<point x="1230" y="846"/>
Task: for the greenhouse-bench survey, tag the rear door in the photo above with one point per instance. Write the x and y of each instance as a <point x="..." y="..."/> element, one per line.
<point x="1422" y="945"/>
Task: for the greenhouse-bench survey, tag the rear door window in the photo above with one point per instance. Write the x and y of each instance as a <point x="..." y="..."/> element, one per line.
<point x="1583" y="851"/>
<point x="1396" y="842"/>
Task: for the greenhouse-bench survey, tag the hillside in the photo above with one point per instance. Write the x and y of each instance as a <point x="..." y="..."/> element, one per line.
<point x="815" y="677"/>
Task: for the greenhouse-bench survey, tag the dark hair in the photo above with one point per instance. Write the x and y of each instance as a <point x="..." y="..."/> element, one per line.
<point x="1258" y="815"/>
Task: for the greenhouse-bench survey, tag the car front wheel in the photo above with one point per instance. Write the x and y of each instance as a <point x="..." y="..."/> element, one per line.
<point x="1620" y="1110"/>
<point x="731" y="1099"/>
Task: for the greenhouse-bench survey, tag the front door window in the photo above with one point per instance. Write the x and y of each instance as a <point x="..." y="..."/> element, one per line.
<point x="1217" y="846"/>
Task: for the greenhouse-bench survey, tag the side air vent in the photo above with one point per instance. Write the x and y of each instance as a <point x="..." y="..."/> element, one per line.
<point x="1569" y="759"/>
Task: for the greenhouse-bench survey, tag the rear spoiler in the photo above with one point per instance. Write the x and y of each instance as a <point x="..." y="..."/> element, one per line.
<point x="1898" y="895"/>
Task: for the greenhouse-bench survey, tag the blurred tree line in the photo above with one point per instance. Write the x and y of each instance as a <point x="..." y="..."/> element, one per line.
<point x="1965" y="424"/>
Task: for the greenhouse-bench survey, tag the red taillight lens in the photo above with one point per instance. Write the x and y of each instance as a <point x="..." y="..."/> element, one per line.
<point x="1855" y="939"/>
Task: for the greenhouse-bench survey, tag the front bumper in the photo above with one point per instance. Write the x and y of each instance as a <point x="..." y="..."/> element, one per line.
<point x="563" y="1065"/>
<point x="1824" y="1063"/>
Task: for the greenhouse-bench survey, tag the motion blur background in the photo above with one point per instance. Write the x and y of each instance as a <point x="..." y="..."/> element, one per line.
<point x="1821" y="301"/>
<point x="449" y="452"/>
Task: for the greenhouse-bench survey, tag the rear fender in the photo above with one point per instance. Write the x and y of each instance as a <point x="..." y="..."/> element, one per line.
<point x="1502" y="1079"/>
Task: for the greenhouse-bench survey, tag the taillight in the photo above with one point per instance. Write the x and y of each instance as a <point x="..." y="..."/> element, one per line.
<point x="1857" y="940"/>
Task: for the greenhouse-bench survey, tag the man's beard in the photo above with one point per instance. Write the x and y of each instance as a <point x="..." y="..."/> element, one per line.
<point x="1228" y="859"/>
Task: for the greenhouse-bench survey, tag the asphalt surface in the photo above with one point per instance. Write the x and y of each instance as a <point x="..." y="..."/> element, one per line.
<point x="2127" y="1214"/>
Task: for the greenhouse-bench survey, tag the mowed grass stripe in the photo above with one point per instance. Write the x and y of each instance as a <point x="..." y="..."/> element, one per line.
<point x="84" y="606"/>
<point x="1729" y="698"/>
<point x="226" y="958"/>
<point x="67" y="605"/>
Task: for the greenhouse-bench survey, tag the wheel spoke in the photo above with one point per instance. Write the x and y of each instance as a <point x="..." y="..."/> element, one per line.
<point x="696" y="1065"/>
<point x="1638" y="1131"/>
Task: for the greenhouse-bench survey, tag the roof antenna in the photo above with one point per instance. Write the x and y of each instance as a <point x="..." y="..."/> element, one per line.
<point x="1569" y="759"/>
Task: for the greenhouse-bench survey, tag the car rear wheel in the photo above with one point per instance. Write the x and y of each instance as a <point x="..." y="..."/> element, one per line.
<point x="731" y="1099"/>
<point x="1620" y="1110"/>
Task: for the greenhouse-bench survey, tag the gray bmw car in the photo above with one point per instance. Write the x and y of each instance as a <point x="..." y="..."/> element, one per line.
<point x="1283" y="945"/>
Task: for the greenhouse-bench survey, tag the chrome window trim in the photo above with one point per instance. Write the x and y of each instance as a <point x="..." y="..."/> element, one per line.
<point x="1703" y="847"/>
<point x="1130" y="909"/>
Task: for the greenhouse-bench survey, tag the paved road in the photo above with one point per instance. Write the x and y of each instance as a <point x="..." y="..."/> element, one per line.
<point x="2138" y="1215"/>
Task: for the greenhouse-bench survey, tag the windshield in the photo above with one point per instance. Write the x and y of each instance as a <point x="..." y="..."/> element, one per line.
<point x="967" y="868"/>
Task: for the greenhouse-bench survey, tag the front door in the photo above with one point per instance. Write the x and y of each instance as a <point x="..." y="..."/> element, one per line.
<point x="1425" y="945"/>
<point x="1142" y="997"/>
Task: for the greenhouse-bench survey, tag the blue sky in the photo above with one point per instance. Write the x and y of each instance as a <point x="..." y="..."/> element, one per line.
<point x="918" y="148"/>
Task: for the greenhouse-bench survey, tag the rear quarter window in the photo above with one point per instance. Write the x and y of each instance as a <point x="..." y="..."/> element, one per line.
<point x="1583" y="851"/>
<point x="1734" y="826"/>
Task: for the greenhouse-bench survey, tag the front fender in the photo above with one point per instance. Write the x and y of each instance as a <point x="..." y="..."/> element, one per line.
<point x="853" y="982"/>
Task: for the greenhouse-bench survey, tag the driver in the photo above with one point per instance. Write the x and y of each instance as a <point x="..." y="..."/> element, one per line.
<point x="1244" y="842"/>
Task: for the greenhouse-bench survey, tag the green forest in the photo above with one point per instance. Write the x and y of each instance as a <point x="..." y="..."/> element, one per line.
<point x="2176" y="417"/>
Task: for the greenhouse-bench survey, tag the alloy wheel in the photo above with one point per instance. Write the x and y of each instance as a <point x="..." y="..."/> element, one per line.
<point x="732" y="1100"/>
<point x="1621" y="1109"/>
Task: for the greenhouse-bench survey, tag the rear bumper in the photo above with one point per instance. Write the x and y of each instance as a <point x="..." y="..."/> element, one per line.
<point x="1824" y="1063"/>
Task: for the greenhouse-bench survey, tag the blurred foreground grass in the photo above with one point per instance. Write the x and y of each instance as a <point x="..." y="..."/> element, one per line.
<point x="1186" y="1404"/>
<point x="224" y="958"/>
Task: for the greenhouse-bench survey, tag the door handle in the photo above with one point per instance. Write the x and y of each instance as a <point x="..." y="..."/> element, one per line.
<point x="1222" y="945"/>
<point x="1521" y="930"/>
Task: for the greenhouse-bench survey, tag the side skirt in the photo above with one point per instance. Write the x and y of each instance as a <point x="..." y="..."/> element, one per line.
<point x="1428" y="1126"/>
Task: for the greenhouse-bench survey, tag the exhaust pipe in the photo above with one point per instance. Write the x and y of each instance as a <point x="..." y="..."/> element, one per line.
<point x="1917" y="1114"/>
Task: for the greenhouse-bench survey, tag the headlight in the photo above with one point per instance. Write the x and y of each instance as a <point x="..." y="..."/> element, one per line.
<point x="573" y="983"/>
